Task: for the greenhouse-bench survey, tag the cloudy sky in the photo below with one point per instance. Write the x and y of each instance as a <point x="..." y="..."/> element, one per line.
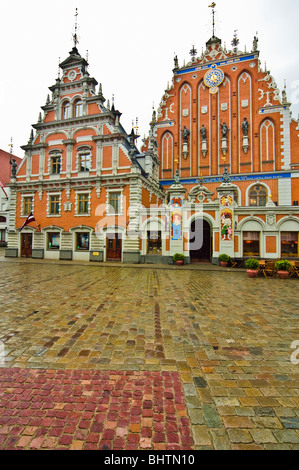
<point x="131" y="45"/>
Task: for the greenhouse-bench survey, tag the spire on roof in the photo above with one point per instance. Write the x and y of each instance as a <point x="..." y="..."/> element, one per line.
<point x="75" y="35"/>
<point x="213" y="12"/>
<point x="214" y="40"/>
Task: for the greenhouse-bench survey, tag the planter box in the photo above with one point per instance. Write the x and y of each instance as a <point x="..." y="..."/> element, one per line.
<point x="283" y="274"/>
<point x="179" y="262"/>
<point x="252" y="273"/>
<point x="223" y="264"/>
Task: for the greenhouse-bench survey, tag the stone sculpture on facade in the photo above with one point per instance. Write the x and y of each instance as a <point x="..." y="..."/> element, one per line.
<point x="225" y="130"/>
<point x="245" y="128"/>
<point x="204" y="143"/>
<point x="185" y="135"/>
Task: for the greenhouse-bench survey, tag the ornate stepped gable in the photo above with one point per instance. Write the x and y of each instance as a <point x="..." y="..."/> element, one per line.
<point x="76" y="113"/>
<point x="247" y="94"/>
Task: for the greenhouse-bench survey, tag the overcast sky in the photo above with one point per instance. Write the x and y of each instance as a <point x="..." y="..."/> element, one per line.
<point x="131" y="45"/>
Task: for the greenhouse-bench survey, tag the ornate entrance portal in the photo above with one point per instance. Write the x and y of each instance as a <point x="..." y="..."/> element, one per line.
<point x="200" y="241"/>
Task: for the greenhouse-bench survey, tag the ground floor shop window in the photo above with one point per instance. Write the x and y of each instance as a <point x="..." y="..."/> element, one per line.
<point x="53" y="241"/>
<point x="82" y="241"/>
<point x="289" y="244"/>
<point x="251" y="243"/>
<point x="154" y="243"/>
<point x="2" y="235"/>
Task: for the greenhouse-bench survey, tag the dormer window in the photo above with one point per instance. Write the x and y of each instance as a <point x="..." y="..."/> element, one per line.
<point x="66" y="110"/>
<point x="78" y="108"/>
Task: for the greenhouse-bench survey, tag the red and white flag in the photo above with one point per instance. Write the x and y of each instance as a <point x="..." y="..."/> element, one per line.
<point x="29" y="219"/>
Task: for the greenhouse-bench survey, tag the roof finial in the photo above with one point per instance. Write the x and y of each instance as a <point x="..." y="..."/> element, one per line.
<point x="75" y="36"/>
<point x="193" y="53"/>
<point x="235" y="42"/>
<point x="213" y="11"/>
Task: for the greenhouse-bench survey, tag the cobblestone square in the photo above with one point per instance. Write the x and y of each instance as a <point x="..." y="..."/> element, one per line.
<point x="146" y="358"/>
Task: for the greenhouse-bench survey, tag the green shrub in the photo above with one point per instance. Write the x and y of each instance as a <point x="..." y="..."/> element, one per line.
<point x="283" y="265"/>
<point x="252" y="264"/>
<point x="224" y="258"/>
<point x="178" y="257"/>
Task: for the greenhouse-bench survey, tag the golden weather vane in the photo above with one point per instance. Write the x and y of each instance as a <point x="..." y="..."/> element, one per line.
<point x="213" y="9"/>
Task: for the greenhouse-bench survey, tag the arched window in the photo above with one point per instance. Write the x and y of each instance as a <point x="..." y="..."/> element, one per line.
<point x="78" y="108"/>
<point x="66" y="110"/>
<point x="258" y="196"/>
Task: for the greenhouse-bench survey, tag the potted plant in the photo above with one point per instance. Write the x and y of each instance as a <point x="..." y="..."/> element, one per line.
<point x="252" y="266"/>
<point x="283" y="267"/>
<point x="224" y="259"/>
<point x="178" y="259"/>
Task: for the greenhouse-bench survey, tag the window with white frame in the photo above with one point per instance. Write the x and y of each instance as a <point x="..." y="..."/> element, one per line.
<point x="114" y="202"/>
<point x="78" y="108"/>
<point x="66" y="110"/>
<point x="82" y="203"/>
<point x="27" y="205"/>
<point x="54" y="204"/>
<point x="84" y="160"/>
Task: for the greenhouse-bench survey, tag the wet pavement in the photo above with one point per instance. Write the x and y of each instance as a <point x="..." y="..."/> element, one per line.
<point x="98" y="357"/>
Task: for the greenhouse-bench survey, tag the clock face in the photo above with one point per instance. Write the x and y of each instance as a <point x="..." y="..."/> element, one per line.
<point x="72" y="75"/>
<point x="213" y="78"/>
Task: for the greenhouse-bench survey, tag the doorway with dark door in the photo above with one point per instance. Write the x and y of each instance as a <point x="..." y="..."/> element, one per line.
<point x="26" y="245"/>
<point x="114" y="247"/>
<point x="200" y="241"/>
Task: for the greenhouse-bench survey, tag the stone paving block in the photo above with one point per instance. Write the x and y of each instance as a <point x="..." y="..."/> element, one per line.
<point x="201" y="436"/>
<point x="238" y="436"/>
<point x="290" y="423"/>
<point x="262" y="436"/>
<point x="287" y="436"/>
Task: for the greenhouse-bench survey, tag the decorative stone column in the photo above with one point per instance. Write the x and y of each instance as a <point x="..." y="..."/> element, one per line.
<point x="12" y="249"/>
<point x="226" y="215"/>
<point x="177" y="196"/>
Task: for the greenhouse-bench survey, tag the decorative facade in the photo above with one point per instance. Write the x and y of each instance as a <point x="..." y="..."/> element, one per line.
<point x="80" y="174"/>
<point x="219" y="172"/>
<point x="226" y="131"/>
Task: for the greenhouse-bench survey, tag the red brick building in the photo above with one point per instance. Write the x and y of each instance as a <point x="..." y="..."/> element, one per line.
<point x="80" y="174"/>
<point x="223" y="111"/>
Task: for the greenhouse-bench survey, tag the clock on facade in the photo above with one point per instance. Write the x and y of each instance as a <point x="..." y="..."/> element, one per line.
<point x="213" y="79"/>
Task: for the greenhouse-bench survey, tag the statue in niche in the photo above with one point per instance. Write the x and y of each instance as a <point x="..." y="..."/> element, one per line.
<point x="185" y="134"/>
<point x="245" y="127"/>
<point x="225" y="130"/>
<point x="203" y="132"/>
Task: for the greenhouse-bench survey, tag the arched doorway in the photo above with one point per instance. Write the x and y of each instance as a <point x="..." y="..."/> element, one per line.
<point x="200" y="241"/>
